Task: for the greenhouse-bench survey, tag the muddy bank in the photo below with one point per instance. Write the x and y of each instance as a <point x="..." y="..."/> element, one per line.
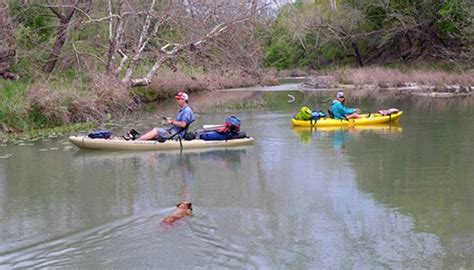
<point x="328" y="83"/>
<point x="361" y="90"/>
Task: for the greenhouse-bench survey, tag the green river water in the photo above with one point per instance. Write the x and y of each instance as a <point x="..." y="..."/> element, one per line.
<point x="396" y="197"/>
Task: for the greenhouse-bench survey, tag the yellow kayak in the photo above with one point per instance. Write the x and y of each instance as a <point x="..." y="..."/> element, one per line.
<point x="367" y="119"/>
<point x="116" y="143"/>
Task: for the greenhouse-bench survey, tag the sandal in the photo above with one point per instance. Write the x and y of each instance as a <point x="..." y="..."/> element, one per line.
<point x="126" y="137"/>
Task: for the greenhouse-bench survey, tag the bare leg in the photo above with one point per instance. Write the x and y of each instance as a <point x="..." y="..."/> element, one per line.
<point x="150" y="135"/>
<point x="353" y="116"/>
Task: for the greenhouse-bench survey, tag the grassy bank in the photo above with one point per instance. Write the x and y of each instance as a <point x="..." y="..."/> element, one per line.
<point x="29" y="107"/>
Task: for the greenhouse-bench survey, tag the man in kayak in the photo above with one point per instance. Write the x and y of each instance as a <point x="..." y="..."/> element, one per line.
<point x="184" y="118"/>
<point x="340" y="111"/>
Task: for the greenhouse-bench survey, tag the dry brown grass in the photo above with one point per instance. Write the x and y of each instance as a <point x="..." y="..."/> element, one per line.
<point x="297" y="72"/>
<point x="384" y="77"/>
<point x="269" y="77"/>
<point x="86" y="109"/>
<point x="169" y="83"/>
<point x="233" y="79"/>
<point x="110" y="95"/>
<point x="49" y="104"/>
<point x="65" y="106"/>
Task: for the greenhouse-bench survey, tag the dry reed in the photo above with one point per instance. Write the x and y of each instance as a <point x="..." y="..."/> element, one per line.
<point x="65" y="106"/>
<point x="296" y="72"/>
<point x="48" y="104"/>
<point x="384" y="77"/>
<point x="111" y="95"/>
<point x="170" y="82"/>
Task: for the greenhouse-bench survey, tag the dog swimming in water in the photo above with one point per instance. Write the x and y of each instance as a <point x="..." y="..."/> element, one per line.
<point x="183" y="209"/>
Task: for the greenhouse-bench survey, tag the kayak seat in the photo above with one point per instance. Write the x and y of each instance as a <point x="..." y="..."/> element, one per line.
<point x="189" y="136"/>
<point x="331" y="115"/>
<point x="185" y="135"/>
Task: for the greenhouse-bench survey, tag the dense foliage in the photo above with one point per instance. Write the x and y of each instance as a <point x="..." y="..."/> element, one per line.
<point x="319" y="33"/>
<point x="85" y="60"/>
<point x="69" y="53"/>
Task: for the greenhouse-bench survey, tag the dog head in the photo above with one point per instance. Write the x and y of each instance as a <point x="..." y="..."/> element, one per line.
<point x="185" y="205"/>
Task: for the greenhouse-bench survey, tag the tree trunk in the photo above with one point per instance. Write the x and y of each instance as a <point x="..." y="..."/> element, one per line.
<point x="357" y="55"/>
<point x="57" y="48"/>
<point x="115" y="37"/>
<point x="7" y="43"/>
<point x="61" y="37"/>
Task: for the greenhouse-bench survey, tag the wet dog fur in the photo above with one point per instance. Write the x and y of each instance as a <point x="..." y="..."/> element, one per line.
<point x="183" y="209"/>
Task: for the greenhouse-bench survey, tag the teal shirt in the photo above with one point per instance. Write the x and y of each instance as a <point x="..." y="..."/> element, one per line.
<point x="339" y="110"/>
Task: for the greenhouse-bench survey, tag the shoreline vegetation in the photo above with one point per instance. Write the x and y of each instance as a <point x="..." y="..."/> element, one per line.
<point x="69" y="110"/>
<point x="49" y="107"/>
<point x="428" y="83"/>
<point x="65" y="64"/>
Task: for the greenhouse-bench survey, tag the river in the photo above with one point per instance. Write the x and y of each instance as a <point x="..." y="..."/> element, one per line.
<point x="396" y="196"/>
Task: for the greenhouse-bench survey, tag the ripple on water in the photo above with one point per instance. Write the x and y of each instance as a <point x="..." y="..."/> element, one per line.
<point x="137" y="242"/>
<point x="119" y="239"/>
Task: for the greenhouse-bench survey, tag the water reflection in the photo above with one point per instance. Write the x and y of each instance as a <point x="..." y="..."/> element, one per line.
<point x="184" y="165"/>
<point x="228" y="160"/>
<point x="340" y="136"/>
<point x="393" y="199"/>
<point x="148" y="184"/>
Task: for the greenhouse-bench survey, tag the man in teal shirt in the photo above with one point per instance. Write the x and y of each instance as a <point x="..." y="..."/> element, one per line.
<point x="340" y="111"/>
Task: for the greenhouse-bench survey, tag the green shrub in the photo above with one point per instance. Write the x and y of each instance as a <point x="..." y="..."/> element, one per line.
<point x="37" y="23"/>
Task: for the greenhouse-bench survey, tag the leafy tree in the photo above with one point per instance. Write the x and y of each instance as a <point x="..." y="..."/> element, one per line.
<point x="367" y="32"/>
<point x="36" y="23"/>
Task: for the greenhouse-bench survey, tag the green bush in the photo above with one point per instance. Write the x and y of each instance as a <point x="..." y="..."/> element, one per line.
<point x="278" y="56"/>
<point x="37" y="23"/>
<point x="13" y="108"/>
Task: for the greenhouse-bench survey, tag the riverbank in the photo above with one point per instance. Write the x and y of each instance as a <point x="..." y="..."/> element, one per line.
<point x="400" y="82"/>
<point x="48" y="106"/>
<point x="89" y="98"/>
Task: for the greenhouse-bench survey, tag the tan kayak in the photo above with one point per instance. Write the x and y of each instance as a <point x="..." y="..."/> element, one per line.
<point x="85" y="142"/>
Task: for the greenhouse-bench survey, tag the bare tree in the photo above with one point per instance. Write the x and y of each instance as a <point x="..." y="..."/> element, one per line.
<point x="7" y="43"/>
<point x="114" y="36"/>
<point x="64" y="12"/>
<point x="198" y="23"/>
<point x="145" y="35"/>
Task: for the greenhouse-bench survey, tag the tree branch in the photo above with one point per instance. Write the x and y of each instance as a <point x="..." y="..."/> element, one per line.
<point x="142" y="41"/>
<point x="167" y="53"/>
